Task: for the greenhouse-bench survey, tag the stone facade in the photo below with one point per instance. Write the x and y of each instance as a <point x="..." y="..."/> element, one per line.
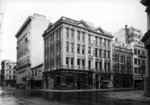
<point x="78" y="49"/>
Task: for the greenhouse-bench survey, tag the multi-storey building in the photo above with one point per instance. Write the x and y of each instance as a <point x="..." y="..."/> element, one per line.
<point x="76" y="55"/>
<point x="30" y="47"/>
<point x="122" y="65"/>
<point x="132" y="37"/>
<point x="8" y="73"/>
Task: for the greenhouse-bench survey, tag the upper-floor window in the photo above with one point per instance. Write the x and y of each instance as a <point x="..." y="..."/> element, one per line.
<point x="100" y="41"/>
<point x="72" y="33"/>
<point x="96" y="40"/>
<point x="135" y="51"/>
<point x="89" y="38"/>
<point x="67" y="46"/>
<point x="67" y="32"/>
<point x="83" y="36"/>
<point x="139" y="52"/>
<point x="78" y="48"/>
<point x="78" y="34"/>
<point x="89" y="51"/>
<point x="83" y="49"/>
<point x="72" y="47"/>
<point x="135" y="60"/>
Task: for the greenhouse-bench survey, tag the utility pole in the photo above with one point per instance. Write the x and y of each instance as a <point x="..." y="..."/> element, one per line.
<point x="2" y="11"/>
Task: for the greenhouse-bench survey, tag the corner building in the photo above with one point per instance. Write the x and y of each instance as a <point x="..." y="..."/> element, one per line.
<point x="76" y="55"/>
<point x="29" y="49"/>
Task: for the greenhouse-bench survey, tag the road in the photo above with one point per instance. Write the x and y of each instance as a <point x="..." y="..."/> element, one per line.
<point x="33" y="97"/>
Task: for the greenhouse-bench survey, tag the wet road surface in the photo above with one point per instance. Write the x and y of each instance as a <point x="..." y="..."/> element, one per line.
<point x="32" y="97"/>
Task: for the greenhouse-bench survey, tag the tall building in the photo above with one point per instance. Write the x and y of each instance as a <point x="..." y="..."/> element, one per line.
<point x="122" y="65"/>
<point x="77" y="55"/>
<point x="30" y="47"/>
<point x="8" y="73"/>
<point x="132" y="37"/>
<point x="146" y="40"/>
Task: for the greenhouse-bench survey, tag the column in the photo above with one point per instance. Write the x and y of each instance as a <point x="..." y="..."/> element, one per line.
<point x="75" y="49"/>
<point x="111" y="57"/>
<point x="63" y="46"/>
<point x="147" y="74"/>
<point x="86" y="51"/>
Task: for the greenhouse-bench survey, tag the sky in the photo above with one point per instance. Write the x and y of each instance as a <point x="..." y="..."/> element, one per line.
<point x="111" y="15"/>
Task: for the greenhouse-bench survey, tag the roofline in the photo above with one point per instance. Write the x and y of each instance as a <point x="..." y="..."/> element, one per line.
<point x="63" y="21"/>
<point x="23" y="26"/>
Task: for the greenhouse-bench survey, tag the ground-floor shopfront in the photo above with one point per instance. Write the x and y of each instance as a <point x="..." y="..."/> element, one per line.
<point x="10" y="83"/>
<point x="102" y="80"/>
<point x="68" y="79"/>
<point x="123" y="80"/>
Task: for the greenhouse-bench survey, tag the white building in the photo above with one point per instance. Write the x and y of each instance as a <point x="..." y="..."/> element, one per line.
<point x="30" y="47"/>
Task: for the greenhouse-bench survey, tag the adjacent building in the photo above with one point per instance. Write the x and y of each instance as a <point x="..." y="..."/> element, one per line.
<point x="30" y="48"/>
<point x="8" y="73"/>
<point x="132" y="37"/>
<point x="122" y="65"/>
<point x="77" y="56"/>
<point x="146" y="40"/>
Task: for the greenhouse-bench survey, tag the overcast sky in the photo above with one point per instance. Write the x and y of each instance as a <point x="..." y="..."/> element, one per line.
<point x="111" y="15"/>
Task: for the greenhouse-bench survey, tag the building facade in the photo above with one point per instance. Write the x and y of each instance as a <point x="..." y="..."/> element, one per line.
<point x="122" y="65"/>
<point x="30" y="47"/>
<point x="146" y="40"/>
<point x="36" y="82"/>
<point x="132" y="37"/>
<point x="76" y="55"/>
<point x="8" y="71"/>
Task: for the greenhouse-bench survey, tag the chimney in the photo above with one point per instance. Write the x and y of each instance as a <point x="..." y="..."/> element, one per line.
<point x="116" y="40"/>
<point x="126" y="26"/>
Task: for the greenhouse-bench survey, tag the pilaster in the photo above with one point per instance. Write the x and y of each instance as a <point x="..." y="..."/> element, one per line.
<point x="63" y="46"/>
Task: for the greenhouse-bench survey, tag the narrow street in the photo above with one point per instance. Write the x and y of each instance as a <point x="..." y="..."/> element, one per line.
<point x="33" y="97"/>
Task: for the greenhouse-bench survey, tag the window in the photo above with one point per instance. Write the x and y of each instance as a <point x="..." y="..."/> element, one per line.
<point x="139" y="61"/>
<point x="96" y="52"/>
<point x="78" y="33"/>
<point x="67" y="62"/>
<point x="143" y="52"/>
<point x="78" y="63"/>
<point x="104" y="54"/>
<point x="96" y="40"/>
<point x="108" y="54"/>
<point x="108" y="43"/>
<point x="83" y="49"/>
<point x="89" y="38"/>
<point x="138" y="52"/>
<point x="143" y="62"/>
<point x="67" y="32"/>
<point x="83" y="63"/>
<point x="96" y="65"/>
<point x="67" y="46"/>
<point x="135" y="51"/>
<point x="78" y="49"/>
<point x="100" y="53"/>
<point x="89" y="63"/>
<point x="83" y="36"/>
<point x="57" y="37"/>
<point x="72" y="47"/>
<point x="72" y="62"/>
<point x="100" y="65"/>
<point x="72" y="34"/>
<point x="89" y="51"/>
<point x="100" y="41"/>
<point x="135" y="60"/>
<point x="104" y="42"/>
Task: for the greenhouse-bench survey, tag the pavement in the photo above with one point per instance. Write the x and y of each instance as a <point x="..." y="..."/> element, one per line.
<point x="122" y="93"/>
<point x="137" y="95"/>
